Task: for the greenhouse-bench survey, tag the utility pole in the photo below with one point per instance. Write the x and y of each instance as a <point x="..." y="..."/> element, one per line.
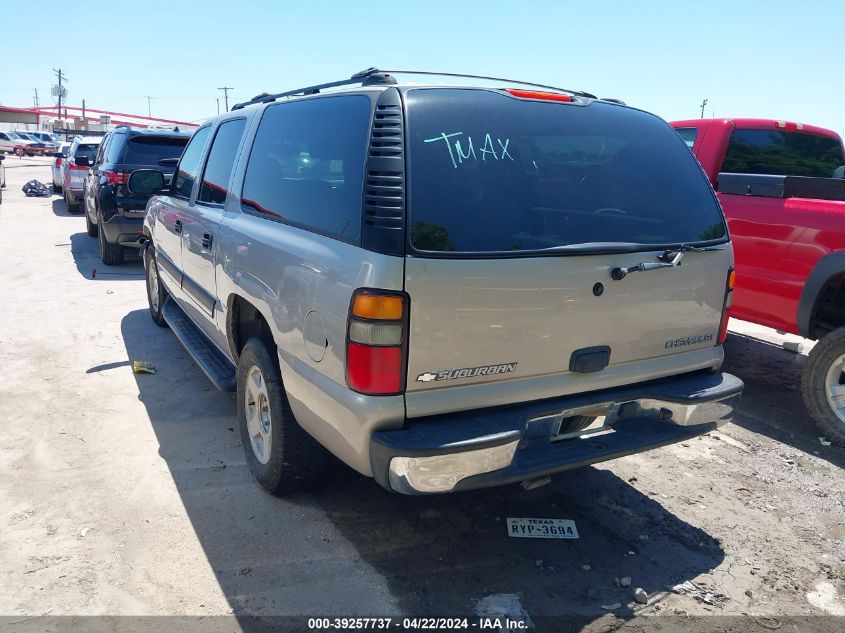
<point x="35" y="99"/>
<point x="60" y="75"/>
<point x="226" y="90"/>
<point x="149" y="108"/>
<point x="703" y="103"/>
<point x="218" y="104"/>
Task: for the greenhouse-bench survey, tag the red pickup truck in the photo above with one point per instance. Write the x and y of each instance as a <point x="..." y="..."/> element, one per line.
<point x="782" y="189"/>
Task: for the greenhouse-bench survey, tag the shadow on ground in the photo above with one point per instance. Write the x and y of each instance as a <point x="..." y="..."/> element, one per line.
<point x="86" y="256"/>
<point x="772" y="403"/>
<point x="351" y="548"/>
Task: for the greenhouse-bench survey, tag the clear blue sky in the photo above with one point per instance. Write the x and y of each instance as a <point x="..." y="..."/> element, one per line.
<point x="769" y="59"/>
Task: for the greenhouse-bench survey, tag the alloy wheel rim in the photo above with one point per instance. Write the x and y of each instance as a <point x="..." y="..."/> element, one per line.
<point x="153" y="286"/>
<point x="257" y="409"/>
<point x="834" y="387"/>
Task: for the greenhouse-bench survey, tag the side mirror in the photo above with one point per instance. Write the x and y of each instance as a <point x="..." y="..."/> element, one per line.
<point x="82" y="161"/>
<point x="145" y="181"/>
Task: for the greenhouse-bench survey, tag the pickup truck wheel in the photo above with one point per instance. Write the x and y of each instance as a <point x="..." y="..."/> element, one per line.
<point x="110" y="254"/>
<point x="280" y="454"/>
<point x="823" y="385"/>
<point x="156" y="294"/>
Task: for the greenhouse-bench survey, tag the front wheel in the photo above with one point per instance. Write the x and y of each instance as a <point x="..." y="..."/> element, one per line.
<point x="19" y="152"/>
<point x="156" y="294"/>
<point x="823" y="385"/>
<point x="281" y="455"/>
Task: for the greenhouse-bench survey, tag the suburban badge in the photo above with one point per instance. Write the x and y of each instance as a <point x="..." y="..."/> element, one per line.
<point x="466" y="372"/>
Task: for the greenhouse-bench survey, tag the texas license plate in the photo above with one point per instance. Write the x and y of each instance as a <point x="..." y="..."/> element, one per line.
<point x="542" y="528"/>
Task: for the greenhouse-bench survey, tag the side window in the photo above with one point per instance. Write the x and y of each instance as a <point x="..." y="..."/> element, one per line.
<point x="221" y="158"/>
<point x="3" y="137"/>
<point x="189" y="164"/>
<point x="688" y="135"/>
<point x="306" y="167"/>
<point x="101" y="150"/>
<point x="782" y="153"/>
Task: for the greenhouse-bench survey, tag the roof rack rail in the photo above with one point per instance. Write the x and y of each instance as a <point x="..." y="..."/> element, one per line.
<point x="376" y="76"/>
<point x="368" y="77"/>
<point x="577" y="93"/>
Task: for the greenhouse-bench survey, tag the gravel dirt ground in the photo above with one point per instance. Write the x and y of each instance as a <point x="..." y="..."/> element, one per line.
<point x="125" y="494"/>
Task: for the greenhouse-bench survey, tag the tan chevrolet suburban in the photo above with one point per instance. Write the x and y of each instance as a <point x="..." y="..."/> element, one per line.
<point x="445" y="286"/>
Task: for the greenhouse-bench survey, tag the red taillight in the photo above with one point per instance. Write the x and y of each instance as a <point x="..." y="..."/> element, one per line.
<point x="58" y="162"/>
<point x="726" y="306"/>
<point x="374" y="370"/>
<point x="116" y="177"/>
<point x="375" y="342"/>
<point x="536" y="94"/>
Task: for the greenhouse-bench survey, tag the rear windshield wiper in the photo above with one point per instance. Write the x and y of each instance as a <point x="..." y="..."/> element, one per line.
<point x="671" y="258"/>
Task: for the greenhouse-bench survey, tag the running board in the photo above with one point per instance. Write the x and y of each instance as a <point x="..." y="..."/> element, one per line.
<point x="217" y="368"/>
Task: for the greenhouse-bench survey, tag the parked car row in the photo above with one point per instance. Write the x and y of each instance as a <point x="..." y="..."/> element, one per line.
<point x="22" y="144"/>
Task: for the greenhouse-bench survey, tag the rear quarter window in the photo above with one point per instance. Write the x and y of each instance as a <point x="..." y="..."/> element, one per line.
<point x="493" y="173"/>
<point x="782" y="153"/>
<point x="688" y="135"/>
<point x="306" y="167"/>
<point x="86" y="150"/>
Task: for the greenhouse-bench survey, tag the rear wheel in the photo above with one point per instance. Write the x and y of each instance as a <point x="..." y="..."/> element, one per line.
<point x="110" y="253"/>
<point x="280" y="454"/>
<point x="19" y="152"/>
<point x="823" y="385"/>
<point x="90" y="226"/>
<point x="72" y="207"/>
<point x="156" y="294"/>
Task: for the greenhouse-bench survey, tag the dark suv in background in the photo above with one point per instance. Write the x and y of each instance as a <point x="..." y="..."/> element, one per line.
<point x="113" y="214"/>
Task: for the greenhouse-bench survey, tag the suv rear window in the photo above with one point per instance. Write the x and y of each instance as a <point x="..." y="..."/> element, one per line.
<point x="86" y="150"/>
<point x="148" y="150"/>
<point x="782" y="153"/>
<point x="494" y="173"/>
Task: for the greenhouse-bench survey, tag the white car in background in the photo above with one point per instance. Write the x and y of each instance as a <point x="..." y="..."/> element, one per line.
<point x="73" y="175"/>
<point x="58" y="166"/>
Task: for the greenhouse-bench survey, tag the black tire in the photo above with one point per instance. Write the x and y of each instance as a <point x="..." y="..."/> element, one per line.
<point x="822" y="357"/>
<point x="296" y="460"/>
<point x="151" y="273"/>
<point x="72" y="207"/>
<point x="89" y="225"/>
<point x="111" y="254"/>
<point x="57" y="188"/>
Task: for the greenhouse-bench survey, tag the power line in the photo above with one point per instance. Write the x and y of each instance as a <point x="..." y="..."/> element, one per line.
<point x="226" y="90"/>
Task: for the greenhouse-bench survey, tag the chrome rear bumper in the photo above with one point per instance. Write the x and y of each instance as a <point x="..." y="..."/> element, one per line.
<point x="507" y="444"/>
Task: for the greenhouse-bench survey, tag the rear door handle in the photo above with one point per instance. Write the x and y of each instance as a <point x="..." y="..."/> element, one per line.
<point x="177" y="226"/>
<point x="206" y="240"/>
